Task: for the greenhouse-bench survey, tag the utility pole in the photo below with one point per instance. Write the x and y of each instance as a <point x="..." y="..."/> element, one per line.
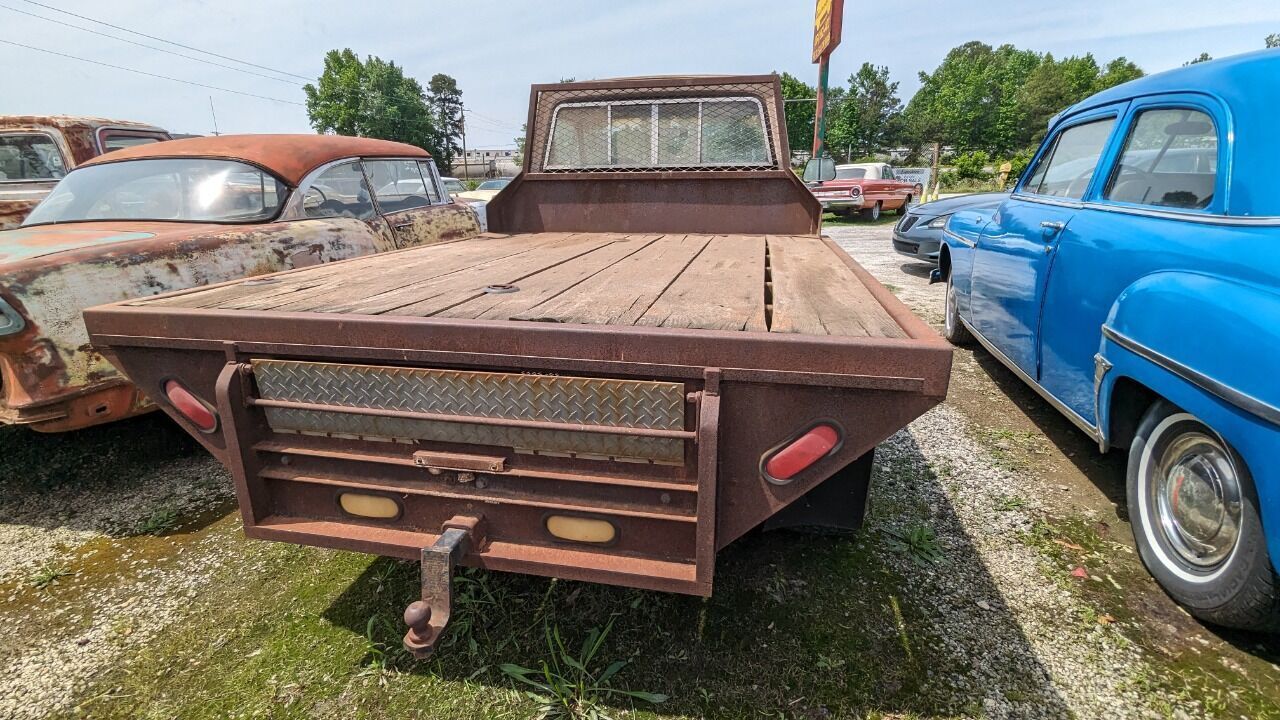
<point x="827" y="21"/>
<point x="466" y="169"/>
<point x="215" y="117"/>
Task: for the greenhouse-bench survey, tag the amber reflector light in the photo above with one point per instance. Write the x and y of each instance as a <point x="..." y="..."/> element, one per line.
<point x="579" y="529"/>
<point x="190" y="406"/>
<point x="369" y="506"/>
<point x="802" y="452"/>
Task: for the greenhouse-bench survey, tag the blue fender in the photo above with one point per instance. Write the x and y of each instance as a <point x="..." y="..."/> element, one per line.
<point x="959" y="238"/>
<point x="1211" y="346"/>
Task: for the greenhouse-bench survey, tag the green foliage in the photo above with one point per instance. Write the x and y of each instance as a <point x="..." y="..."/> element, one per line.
<point x="1273" y="40"/>
<point x="919" y="543"/>
<point x="572" y="687"/>
<point x="867" y="118"/>
<point x="972" y="165"/>
<point x="49" y="574"/>
<point x="374" y="98"/>
<point x="1000" y="100"/>
<point x="158" y="522"/>
<point x="1018" y="163"/>
<point x="446" y="102"/>
<point x="800" y="113"/>
<point x="1202" y="57"/>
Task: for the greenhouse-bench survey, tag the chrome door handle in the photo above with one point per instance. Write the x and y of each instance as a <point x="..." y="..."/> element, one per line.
<point x="1053" y="225"/>
<point x="403" y="225"/>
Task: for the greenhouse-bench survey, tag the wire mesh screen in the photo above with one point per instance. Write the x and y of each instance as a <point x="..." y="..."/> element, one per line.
<point x="711" y="127"/>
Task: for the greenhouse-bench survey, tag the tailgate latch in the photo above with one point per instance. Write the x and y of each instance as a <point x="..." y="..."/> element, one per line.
<point x="428" y="617"/>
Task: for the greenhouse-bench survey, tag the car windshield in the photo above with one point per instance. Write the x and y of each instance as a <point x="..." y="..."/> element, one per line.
<point x="493" y="184"/>
<point x="191" y="190"/>
<point x="850" y="173"/>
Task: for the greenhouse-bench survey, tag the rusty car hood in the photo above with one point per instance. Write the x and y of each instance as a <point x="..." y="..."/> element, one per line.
<point x="38" y="241"/>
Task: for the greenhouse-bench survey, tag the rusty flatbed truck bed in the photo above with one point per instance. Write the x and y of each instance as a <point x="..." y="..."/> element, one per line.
<point x="652" y="353"/>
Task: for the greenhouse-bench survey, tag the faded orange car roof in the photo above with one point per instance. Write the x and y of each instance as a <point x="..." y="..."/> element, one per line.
<point x="289" y="156"/>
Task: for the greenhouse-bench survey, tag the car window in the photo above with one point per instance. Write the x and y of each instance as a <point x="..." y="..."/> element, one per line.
<point x="850" y="173"/>
<point x="1170" y="159"/>
<point x="492" y="184"/>
<point x="887" y="174"/>
<point x="177" y="189"/>
<point x="340" y="191"/>
<point x="398" y="184"/>
<point x="428" y="169"/>
<point x="31" y="156"/>
<point x="1065" y="169"/>
<point x="119" y="141"/>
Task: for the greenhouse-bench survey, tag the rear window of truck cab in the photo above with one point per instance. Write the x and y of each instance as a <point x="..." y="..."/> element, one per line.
<point x="683" y="133"/>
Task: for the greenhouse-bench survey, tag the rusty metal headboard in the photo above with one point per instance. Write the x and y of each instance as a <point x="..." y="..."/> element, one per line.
<point x="662" y="154"/>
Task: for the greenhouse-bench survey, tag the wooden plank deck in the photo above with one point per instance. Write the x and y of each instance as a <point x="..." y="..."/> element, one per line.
<point x="757" y="283"/>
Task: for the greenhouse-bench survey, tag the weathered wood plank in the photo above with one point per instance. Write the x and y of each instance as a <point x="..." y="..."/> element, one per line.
<point x="622" y="293"/>
<point x="722" y="289"/>
<point x="232" y="296"/>
<point x="815" y="293"/>
<point x="445" y="292"/>
<point x="549" y="283"/>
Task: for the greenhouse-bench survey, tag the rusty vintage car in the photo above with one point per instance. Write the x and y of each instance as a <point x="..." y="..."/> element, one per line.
<point x="653" y="352"/>
<point x="151" y="219"/>
<point x="36" y="151"/>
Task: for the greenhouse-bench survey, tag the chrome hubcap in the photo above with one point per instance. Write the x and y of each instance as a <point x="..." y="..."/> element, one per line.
<point x="1196" y="493"/>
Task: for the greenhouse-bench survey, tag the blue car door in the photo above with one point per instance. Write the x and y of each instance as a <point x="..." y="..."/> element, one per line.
<point x="1013" y="258"/>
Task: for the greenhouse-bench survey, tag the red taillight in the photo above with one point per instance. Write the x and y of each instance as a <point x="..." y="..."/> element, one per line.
<point x="855" y="191"/>
<point x="802" y="452"/>
<point x="190" y="406"/>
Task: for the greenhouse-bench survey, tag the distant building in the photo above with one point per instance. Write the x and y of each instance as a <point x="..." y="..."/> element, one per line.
<point x="485" y="162"/>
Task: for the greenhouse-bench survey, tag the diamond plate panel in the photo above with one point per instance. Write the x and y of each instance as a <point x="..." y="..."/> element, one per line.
<point x="547" y="398"/>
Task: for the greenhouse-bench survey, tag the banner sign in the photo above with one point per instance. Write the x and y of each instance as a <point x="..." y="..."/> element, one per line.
<point x="826" y="27"/>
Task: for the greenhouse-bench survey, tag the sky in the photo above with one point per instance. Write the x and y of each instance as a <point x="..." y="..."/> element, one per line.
<point x="497" y="48"/>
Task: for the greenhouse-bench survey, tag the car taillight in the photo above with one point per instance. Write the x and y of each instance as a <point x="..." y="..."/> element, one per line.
<point x="797" y="455"/>
<point x="191" y="407"/>
<point x="855" y="191"/>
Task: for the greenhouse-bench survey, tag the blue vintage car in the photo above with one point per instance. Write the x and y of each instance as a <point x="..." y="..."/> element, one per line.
<point x="1133" y="280"/>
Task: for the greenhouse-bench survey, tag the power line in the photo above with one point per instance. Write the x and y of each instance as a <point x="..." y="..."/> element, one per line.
<point x="149" y="74"/>
<point x="149" y="47"/>
<point x="167" y="42"/>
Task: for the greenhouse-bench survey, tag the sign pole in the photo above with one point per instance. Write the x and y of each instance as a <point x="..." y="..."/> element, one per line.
<point x="828" y="17"/>
<point x="820" y="114"/>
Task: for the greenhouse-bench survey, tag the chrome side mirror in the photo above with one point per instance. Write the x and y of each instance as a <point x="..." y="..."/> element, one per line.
<point x="819" y="170"/>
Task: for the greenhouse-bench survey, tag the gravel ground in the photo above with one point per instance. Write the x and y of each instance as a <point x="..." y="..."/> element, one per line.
<point x="1008" y="617"/>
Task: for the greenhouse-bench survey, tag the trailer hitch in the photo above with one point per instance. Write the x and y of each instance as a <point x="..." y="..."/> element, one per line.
<point x="428" y="617"/>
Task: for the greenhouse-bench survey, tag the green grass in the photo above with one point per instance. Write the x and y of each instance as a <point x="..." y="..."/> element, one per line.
<point x="886" y="218"/>
<point x="50" y="574"/>
<point x="799" y="626"/>
<point x="158" y="522"/>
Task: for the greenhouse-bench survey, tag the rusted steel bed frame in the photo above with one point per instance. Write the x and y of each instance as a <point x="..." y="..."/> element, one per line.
<point x="744" y="393"/>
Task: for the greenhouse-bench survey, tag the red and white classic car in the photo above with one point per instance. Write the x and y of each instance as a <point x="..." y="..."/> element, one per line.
<point x="868" y="188"/>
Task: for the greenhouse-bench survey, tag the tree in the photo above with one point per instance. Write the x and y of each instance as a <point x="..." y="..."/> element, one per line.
<point x="961" y="102"/>
<point x="446" y="101"/>
<point x="1052" y="87"/>
<point x="372" y="98"/>
<point x="1118" y="71"/>
<point x="867" y="118"/>
<point x="1202" y="57"/>
<point x="1273" y="40"/>
<point x="800" y="112"/>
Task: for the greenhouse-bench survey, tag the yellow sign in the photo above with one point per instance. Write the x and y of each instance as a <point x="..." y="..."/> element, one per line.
<point x="826" y="27"/>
